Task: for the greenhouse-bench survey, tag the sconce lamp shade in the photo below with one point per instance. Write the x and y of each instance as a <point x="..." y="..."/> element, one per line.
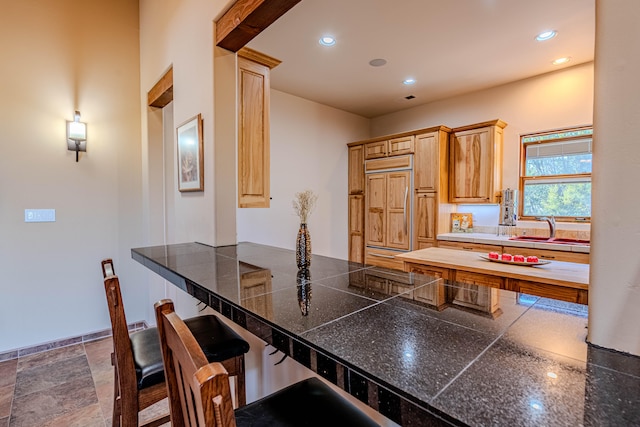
<point x="76" y="135"/>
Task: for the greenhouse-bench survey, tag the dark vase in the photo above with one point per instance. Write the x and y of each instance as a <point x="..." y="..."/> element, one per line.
<point x="304" y="290"/>
<point x="303" y="247"/>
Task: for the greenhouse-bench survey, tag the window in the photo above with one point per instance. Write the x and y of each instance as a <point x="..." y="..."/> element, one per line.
<point x="555" y="174"/>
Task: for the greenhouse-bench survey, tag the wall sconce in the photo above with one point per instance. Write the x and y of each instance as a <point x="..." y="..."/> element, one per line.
<point x="76" y="135"/>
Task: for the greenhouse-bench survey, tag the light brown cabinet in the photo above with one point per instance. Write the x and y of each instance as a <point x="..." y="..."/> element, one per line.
<point x="431" y="161"/>
<point x="253" y="128"/>
<point x="432" y="294"/>
<point x="400" y="146"/>
<point x="375" y="150"/>
<point x="579" y="296"/>
<point x="387" y="210"/>
<point x="388" y="148"/>
<point x="403" y="178"/>
<point x="356" y="187"/>
<point x="356" y="169"/>
<point x="356" y="228"/>
<point x="472" y="247"/>
<point x="425" y="220"/>
<point x="475" y="166"/>
<point x="550" y="255"/>
<point x="546" y="254"/>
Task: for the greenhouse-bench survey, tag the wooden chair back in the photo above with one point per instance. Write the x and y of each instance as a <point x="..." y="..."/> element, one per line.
<point x="107" y="268"/>
<point x="199" y="392"/>
<point x="123" y="353"/>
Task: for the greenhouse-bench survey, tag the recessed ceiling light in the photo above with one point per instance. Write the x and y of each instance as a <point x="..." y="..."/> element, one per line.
<point x="561" y="61"/>
<point x="409" y="81"/>
<point x="546" y="35"/>
<point x="379" y="62"/>
<point x="327" y="40"/>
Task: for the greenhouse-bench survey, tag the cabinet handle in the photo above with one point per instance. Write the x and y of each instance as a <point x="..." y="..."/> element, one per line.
<point x="382" y="256"/>
<point x="467" y="248"/>
<point x="404" y="209"/>
<point x="547" y="257"/>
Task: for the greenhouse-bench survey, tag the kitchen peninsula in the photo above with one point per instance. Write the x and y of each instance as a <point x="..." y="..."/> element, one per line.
<point x="567" y="281"/>
<point x="374" y="333"/>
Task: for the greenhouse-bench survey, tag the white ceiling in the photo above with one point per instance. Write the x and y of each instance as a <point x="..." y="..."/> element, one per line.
<point x="449" y="46"/>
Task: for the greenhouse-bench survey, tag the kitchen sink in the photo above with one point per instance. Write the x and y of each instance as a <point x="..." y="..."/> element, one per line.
<point x="554" y="240"/>
<point x="529" y="238"/>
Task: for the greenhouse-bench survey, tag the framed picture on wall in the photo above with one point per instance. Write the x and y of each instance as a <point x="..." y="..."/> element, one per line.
<point x="190" y="159"/>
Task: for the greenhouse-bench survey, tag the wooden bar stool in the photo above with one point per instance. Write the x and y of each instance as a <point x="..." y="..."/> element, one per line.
<point x="199" y="392"/>
<point x="137" y="358"/>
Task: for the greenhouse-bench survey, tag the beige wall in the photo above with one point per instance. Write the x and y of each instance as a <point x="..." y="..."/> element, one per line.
<point x="57" y="57"/>
<point x="308" y="151"/>
<point x="550" y="101"/>
<point x="614" y="292"/>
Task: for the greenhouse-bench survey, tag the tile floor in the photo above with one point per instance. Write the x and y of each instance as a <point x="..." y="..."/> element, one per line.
<point x="66" y="387"/>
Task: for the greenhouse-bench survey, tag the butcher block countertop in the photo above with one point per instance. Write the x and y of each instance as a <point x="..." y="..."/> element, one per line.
<point x="568" y="274"/>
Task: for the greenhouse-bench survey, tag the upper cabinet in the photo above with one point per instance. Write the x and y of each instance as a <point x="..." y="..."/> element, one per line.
<point x="392" y="147"/>
<point x="356" y="169"/>
<point x="253" y="128"/>
<point x="475" y="166"/>
<point x="403" y="145"/>
<point x="431" y="160"/>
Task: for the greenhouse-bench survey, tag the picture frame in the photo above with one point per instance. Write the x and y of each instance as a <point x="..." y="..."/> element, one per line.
<point x="461" y="222"/>
<point x="190" y="157"/>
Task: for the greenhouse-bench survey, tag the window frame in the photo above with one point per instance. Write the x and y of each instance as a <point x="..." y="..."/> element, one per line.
<point x="552" y="136"/>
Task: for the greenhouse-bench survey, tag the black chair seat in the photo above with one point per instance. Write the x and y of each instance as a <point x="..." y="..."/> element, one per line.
<point x="218" y="342"/>
<point x="306" y="403"/>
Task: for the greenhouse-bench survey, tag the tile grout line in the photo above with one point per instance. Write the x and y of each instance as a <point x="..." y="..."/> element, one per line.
<point x="475" y="359"/>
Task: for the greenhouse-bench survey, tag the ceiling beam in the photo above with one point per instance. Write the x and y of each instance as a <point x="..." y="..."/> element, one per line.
<point x="246" y="19"/>
<point x="162" y="92"/>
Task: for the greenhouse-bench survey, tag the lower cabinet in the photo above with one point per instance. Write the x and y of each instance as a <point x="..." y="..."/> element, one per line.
<point x="562" y="293"/>
<point x="356" y="228"/>
<point x="547" y="254"/>
<point x="480" y="291"/>
<point x="383" y="258"/>
<point x="433" y="294"/>
<point x="472" y="247"/>
<point x="424" y="220"/>
<point x="477" y="291"/>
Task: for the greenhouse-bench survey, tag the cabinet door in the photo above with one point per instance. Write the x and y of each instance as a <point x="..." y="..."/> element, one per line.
<point x="253" y="134"/>
<point x="403" y="145"/>
<point x="471" y="160"/>
<point x="426" y="162"/>
<point x="356" y="228"/>
<point x="398" y="210"/>
<point x="475" y="164"/>
<point x="375" y="150"/>
<point x="375" y="221"/>
<point x="424" y="220"/>
<point x="433" y="294"/>
<point x="477" y="291"/>
<point x="549" y="291"/>
<point x="356" y="169"/>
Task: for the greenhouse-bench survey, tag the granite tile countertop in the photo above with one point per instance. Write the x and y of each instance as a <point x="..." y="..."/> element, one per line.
<point x="493" y="239"/>
<point x="365" y="329"/>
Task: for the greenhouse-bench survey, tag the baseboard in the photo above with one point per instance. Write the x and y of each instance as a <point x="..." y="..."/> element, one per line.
<point x="39" y="348"/>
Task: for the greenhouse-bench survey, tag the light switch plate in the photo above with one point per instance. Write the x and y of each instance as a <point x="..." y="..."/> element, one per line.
<point x="39" y="215"/>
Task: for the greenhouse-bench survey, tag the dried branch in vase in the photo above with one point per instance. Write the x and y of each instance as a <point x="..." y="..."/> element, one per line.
<point x="303" y="204"/>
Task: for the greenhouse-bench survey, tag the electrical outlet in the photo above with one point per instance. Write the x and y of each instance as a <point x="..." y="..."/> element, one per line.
<point x="39" y="215"/>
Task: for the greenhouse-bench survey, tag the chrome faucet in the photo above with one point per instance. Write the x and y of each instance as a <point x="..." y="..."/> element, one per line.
<point x="552" y="224"/>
